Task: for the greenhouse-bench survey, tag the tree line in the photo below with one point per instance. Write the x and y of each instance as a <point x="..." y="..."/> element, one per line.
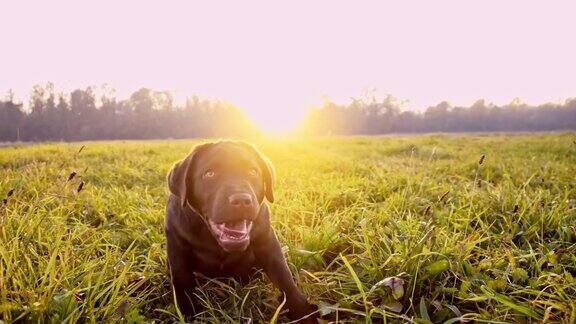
<point x="147" y="114"/>
<point x="370" y="116"/>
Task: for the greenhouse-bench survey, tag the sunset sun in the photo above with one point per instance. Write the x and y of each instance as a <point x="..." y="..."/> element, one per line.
<point x="275" y="121"/>
<point x="274" y="114"/>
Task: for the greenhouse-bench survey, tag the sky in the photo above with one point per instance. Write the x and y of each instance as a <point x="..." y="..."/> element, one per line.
<point x="276" y="59"/>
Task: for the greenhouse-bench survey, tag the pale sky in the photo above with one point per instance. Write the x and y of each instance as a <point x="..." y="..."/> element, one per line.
<point x="275" y="59"/>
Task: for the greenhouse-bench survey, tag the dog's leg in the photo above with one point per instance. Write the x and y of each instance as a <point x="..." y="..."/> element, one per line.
<point x="269" y="254"/>
<point x="182" y="280"/>
<point x="185" y="298"/>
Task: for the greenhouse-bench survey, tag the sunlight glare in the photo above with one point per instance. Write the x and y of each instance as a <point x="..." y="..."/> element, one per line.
<point x="276" y="120"/>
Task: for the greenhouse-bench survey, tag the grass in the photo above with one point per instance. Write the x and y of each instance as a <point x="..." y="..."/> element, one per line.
<point x="377" y="229"/>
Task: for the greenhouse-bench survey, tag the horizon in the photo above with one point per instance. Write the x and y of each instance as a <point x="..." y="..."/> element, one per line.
<point x="278" y="64"/>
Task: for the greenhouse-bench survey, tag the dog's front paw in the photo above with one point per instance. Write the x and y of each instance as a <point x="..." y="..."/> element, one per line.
<point x="303" y="312"/>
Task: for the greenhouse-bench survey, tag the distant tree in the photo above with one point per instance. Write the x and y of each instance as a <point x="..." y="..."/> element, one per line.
<point x="163" y="100"/>
<point x="11" y="117"/>
<point x="37" y="100"/>
<point x="64" y="117"/>
<point x="83" y="102"/>
<point x="51" y="121"/>
<point x="83" y="113"/>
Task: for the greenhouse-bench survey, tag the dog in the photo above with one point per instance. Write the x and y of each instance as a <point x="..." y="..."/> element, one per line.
<point x="218" y="223"/>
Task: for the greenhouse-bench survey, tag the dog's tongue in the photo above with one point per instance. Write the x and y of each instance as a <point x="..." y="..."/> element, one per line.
<point x="239" y="226"/>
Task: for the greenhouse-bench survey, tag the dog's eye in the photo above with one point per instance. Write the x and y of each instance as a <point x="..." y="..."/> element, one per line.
<point x="209" y="174"/>
<point x="253" y="172"/>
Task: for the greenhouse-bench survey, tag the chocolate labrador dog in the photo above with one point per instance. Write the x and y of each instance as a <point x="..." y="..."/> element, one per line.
<point x="218" y="224"/>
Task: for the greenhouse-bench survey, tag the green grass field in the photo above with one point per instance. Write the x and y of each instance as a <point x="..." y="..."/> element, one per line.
<point x="456" y="239"/>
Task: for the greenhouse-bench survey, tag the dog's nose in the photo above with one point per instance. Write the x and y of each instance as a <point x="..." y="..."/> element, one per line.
<point x="240" y="200"/>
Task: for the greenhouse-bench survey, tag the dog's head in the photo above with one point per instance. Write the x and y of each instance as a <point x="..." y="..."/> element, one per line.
<point x="226" y="182"/>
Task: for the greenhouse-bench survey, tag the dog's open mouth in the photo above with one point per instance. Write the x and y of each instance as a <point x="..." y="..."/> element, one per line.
<point x="232" y="232"/>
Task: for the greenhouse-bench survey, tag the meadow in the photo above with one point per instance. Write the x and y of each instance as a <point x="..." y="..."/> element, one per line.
<point x="424" y="228"/>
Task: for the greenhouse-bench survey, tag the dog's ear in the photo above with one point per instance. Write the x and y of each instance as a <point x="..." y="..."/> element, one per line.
<point x="269" y="175"/>
<point x="180" y="177"/>
<point x="267" y="170"/>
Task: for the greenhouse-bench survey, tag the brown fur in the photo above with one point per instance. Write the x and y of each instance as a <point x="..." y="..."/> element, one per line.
<point x="200" y="189"/>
